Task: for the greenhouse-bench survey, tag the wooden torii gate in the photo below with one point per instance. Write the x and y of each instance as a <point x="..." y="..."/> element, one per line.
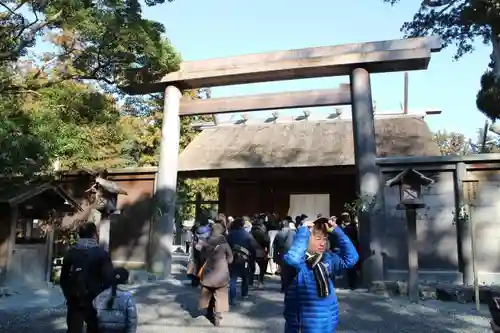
<point x="356" y="60"/>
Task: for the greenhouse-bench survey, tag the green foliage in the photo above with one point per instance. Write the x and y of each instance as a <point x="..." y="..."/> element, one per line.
<point x="461" y="23"/>
<point x="69" y="121"/>
<point x="458" y="22"/>
<point x="106" y="41"/>
<point x="53" y="105"/>
<point x="47" y="112"/>
<point x="488" y="97"/>
<point x="143" y="120"/>
<point x="354" y="208"/>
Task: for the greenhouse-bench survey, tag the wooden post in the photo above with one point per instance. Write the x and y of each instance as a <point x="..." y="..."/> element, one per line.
<point x="50" y="250"/>
<point x="411" y="219"/>
<point x="222" y="196"/>
<point x="470" y="191"/>
<point x="14" y="216"/>
<point x="463" y="230"/>
<point x="166" y="184"/>
<point x="368" y="176"/>
<point x="104" y="231"/>
<point x="197" y="208"/>
<point x="473" y="250"/>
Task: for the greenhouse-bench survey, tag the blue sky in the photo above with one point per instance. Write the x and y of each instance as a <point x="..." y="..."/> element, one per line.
<point x="219" y="28"/>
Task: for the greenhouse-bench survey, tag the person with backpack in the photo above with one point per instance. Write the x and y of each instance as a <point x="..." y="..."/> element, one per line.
<point x="86" y="271"/>
<point x="281" y="244"/>
<point x="116" y="309"/>
<point x="259" y="233"/>
<point x="310" y="302"/>
<point x="243" y="246"/>
<point x="214" y="275"/>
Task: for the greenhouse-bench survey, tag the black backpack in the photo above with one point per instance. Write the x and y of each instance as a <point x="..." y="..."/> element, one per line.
<point x="240" y="254"/>
<point x="284" y="242"/>
<point x="80" y="288"/>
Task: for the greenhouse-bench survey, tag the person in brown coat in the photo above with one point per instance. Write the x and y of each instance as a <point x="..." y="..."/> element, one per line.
<point x="214" y="276"/>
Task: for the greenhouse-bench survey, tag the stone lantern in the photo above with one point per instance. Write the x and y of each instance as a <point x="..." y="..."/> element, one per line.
<point x="411" y="184"/>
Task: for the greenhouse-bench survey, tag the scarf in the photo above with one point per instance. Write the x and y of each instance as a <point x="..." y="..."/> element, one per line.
<point x="321" y="274"/>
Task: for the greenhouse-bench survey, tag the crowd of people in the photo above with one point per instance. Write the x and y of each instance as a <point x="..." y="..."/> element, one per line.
<point x="307" y="254"/>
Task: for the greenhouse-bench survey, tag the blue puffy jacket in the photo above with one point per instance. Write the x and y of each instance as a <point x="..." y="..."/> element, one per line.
<point x="305" y="311"/>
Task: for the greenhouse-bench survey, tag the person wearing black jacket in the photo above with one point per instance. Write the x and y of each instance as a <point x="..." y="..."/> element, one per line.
<point x="87" y="270"/>
<point x="281" y="244"/>
<point x="351" y="230"/>
<point x="259" y="233"/>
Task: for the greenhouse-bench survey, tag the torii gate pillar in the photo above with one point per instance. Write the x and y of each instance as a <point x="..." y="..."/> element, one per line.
<point x="166" y="185"/>
<point x="368" y="177"/>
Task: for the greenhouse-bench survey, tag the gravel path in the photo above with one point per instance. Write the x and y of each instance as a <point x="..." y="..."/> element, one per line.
<point x="171" y="307"/>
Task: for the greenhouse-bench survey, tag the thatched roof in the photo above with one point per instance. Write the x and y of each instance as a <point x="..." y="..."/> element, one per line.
<point x="301" y="144"/>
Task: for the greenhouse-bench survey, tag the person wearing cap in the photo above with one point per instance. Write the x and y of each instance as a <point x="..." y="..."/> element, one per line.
<point x="310" y="302"/>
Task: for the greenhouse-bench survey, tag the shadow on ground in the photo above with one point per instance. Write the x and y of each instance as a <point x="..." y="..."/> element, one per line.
<point x="171" y="306"/>
<point x="360" y="312"/>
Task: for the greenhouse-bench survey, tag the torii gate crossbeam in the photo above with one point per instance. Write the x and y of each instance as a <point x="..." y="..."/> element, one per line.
<point x="356" y="60"/>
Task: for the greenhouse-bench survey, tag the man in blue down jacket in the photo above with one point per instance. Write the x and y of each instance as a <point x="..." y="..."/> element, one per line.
<point x="243" y="246"/>
<point x="310" y="302"/>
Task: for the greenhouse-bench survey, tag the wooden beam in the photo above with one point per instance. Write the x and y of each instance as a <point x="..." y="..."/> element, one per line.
<point x="286" y="100"/>
<point x="432" y="43"/>
<point x="449" y="159"/>
<point x="271" y="173"/>
<point x="376" y="57"/>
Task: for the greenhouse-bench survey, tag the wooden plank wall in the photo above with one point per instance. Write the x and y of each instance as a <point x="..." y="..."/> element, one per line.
<point x="486" y="222"/>
<point x="247" y="197"/>
<point x="436" y="228"/>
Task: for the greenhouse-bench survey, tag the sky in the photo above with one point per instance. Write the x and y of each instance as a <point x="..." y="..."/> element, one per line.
<point x="220" y="28"/>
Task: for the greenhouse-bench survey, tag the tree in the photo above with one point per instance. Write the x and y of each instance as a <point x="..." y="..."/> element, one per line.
<point x="488" y="97"/>
<point x="47" y="111"/>
<point x="461" y="23"/>
<point x="71" y="122"/>
<point x="104" y="41"/>
<point x="452" y="143"/>
<point x="107" y="43"/>
<point x="143" y="118"/>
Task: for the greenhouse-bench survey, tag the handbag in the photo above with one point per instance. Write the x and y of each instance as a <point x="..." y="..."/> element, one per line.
<point x="202" y="268"/>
